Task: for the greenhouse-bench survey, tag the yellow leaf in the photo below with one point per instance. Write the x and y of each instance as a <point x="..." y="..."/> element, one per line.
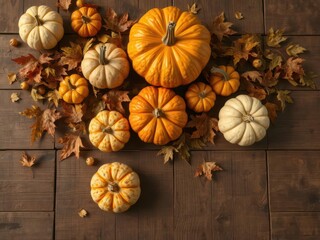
<point x="27" y="161"/>
<point x="104" y="38"/>
<point x="15" y="97"/>
<point x="88" y="45"/>
<point x="12" y="77"/>
<point x="238" y="15"/>
<point x="274" y="38"/>
<point x="206" y="169"/>
<point x="294" y="50"/>
<point x="193" y="9"/>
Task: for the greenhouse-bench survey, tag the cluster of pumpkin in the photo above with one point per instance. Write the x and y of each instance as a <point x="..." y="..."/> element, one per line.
<point x="168" y="48"/>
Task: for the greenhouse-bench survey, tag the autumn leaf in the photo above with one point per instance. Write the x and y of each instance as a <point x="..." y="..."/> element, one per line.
<point x="114" y="98"/>
<point x="271" y="78"/>
<point x="73" y="113"/>
<point x="31" y="67"/>
<point x="71" y="144"/>
<point x="194" y="9"/>
<point x="308" y="80"/>
<point x="206" y="170"/>
<point x="293" y="67"/>
<point x="276" y="61"/>
<point x="272" y="111"/>
<point x="26" y="160"/>
<point x="49" y="116"/>
<point x="35" y="95"/>
<point x="255" y="91"/>
<point x="54" y="97"/>
<point x="220" y="28"/>
<point x="283" y="97"/>
<point x="88" y="45"/>
<point x="71" y="56"/>
<point x="64" y="4"/>
<point x="12" y="77"/>
<point x="252" y="76"/>
<point x="274" y="38"/>
<point x="83" y="213"/>
<point x="294" y="50"/>
<point x="32" y="112"/>
<point x="104" y="38"/>
<point x="238" y="15"/>
<point x="167" y="152"/>
<point x="115" y="23"/>
<point x="15" y="97"/>
<point x="206" y="127"/>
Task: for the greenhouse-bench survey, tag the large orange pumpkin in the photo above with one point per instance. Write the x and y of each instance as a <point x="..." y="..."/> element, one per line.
<point x="169" y="47"/>
<point x="157" y="115"/>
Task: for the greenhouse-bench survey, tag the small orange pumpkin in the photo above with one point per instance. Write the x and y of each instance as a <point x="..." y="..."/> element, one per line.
<point x="74" y="88"/>
<point x="224" y="80"/>
<point x="86" y="21"/>
<point x="200" y="97"/>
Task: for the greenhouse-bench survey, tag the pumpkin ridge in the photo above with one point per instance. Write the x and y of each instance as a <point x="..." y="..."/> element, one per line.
<point x="158" y="122"/>
<point x="97" y="200"/>
<point x="50" y="32"/>
<point x="123" y="199"/>
<point x="169" y="120"/>
<point x="101" y="178"/>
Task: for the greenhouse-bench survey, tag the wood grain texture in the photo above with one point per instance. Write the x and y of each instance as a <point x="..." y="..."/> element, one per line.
<point x="298" y="126"/>
<point x="26" y="225"/>
<point x="23" y="188"/>
<point x="216" y="210"/>
<point x="294" y="180"/>
<point x="295" y="225"/>
<point x="15" y="129"/>
<point x="297" y="17"/>
<point x="9" y="16"/>
<point x="150" y="218"/>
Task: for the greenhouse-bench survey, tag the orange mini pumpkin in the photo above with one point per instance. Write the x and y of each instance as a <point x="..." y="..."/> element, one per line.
<point x="200" y="97"/>
<point x="86" y="21"/>
<point x="157" y="115"/>
<point x="74" y="88"/>
<point x="224" y="80"/>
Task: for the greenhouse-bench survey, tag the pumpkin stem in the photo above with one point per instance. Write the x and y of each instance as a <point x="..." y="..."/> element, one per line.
<point x="157" y="112"/>
<point x="113" y="187"/>
<point x="203" y="94"/>
<point x="85" y="19"/>
<point x="247" y="118"/>
<point x="39" y="21"/>
<point x="108" y="130"/>
<point x="220" y="71"/>
<point x="103" y="60"/>
<point x="70" y="85"/>
<point x="169" y="38"/>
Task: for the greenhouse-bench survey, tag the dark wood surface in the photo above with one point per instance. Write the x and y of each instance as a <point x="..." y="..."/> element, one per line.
<point x="270" y="190"/>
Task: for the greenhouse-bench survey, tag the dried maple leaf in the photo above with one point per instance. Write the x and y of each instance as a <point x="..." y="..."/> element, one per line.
<point x="88" y="45"/>
<point x="206" y="169"/>
<point x="31" y="67"/>
<point x="274" y="38"/>
<point x="253" y="76"/>
<point x="205" y="125"/>
<point x="294" y="50"/>
<point x="12" y="77"/>
<point x="271" y="78"/>
<point x="26" y="160"/>
<point x="83" y="213"/>
<point x="54" y="97"/>
<point x="71" y="56"/>
<point x="73" y="113"/>
<point x="308" y="80"/>
<point x="238" y="15"/>
<point x="64" y="4"/>
<point x="272" y="111"/>
<point x="255" y="91"/>
<point x="283" y="97"/>
<point x="115" y="23"/>
<point x="167" y="152"/>
<point x="15" y="97"/>
<point x="32" y="112"/>
<point x="220" y="28"/>
<point x="293" y="70"/>
<point x="49" y="116"/>
<point x="114" y="98"/>
<point x="71" y="144"/>
<point x="276" y="61"/>
<point x="194" y="9"/>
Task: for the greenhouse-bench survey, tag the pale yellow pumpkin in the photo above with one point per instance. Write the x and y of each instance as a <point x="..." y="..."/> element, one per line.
<point x="115" y="187"/>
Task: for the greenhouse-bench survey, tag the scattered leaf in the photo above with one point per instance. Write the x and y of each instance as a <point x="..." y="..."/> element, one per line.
<point x="194" y="9"/>
<point x="64" y="4"/>
<point x="283" y="97"/>
<point x="15" y="97"/>
<point x="238" y="15"/>
<point x="276" y="61"/>
<point x="167" y="152"/>
<point x="35" y="95"/>
<point x="253" y="76"/>
<point x="256" y="91"/>
<point x="12" y="77"/>
<point x="71" y="144"/>
<point x="220" y="28"/>
<point x="88" y="45"/>
<point x="71" y="56"/>
<point x="293" y="68"/>
<point x="114" y="98"/>
<point x="49" y="116"/>
<point x="206" y="169"/>
<point x="26" y="160"/>
<point x="115" y="23"/>
<point x="104" y="38"/>
<point x="274" y="38"/>
<point x="272" y="111"/>
<point x="294" y="50"/>
<point x="271" y="78"/>
<point x="54" y="96"/>
<point x="32" y="112"/>
<point x="83" y="213"/>
<point x="73" y="113"/>
<point x="308" y="80"/>
<point x="31" y="67"/>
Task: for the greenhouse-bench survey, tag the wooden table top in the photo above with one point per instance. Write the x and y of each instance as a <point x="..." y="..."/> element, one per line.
<point x="270" y="190"/>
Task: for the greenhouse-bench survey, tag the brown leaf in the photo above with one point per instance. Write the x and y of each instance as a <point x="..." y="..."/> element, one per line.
<point x="238" y="15"/>
<point x="283" y="97"/>
<point x="31" y="67"/>
<point x="83" y="213"/>
<point x="256" y="91"/>
<point x="308" y="80"/>
<point x="64" y="4"/>
<point x="274" y="38"/>
<point x="272" y="111"/>
<point x="12" y="77"/>
<point x="114" y="98"/>
<point x="73" y="113"/>
<point x="71" y="144"/>
<point x="271" y="78"/>
<point x="253" y="76"/>
<point x="193" y="8"/>
<point x="293" y="70"/>
<point x="35" y="95"/>
<point x="115" y="23"/>
<point x="32" y="112"/>
<point x="294" y="50"/>
<point x="206" y="169"/>
<point x="206" y="127"/>
<point x="26" y="160"/>
<point x="49" y="116"/>
<point x="53" y="96"/>
<point x="71" y="56"/>
<point x="15" y="97"/>
<point x="88" y="45"/>
<point x="220" y="28"/>
<point x="167" y="152"/>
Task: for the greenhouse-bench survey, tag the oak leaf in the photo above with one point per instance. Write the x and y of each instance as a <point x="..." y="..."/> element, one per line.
<point x="283" y="97"/>
<point x="220" y="28"/>
<point x="294" y="50"/>
<point x="71" y="56"/>
<point x="64" y="4"/>
<point x="15" y="97"/>
<point x="206" y="169"/>
<point x="71" y="144"/>
<point x="115" y="23"/>
<point x="274" y="38"/>
<point x="26" y="160"/>
<point x="113" y="100"/>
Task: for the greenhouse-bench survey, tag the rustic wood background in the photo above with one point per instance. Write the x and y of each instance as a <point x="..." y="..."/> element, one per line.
<point x="270" y="190"/>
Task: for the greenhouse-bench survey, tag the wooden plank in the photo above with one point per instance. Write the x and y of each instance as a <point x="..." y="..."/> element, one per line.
<point x="216" y="210"/>
<point x="15" y="128"/>
<point x="296" y="17"/>
<point x="145" y="5"/>
<point x="295" y="225"/>
<point x="10" y="12"/>
<point x="294" y="180"/>
<point x="298" y="126"/>
<point x="26" y="225"/>
<point x="27" y="189"/>
<point x="252" y="11"/>
<point x="50" y="3"/>
<point x="150" y="218"/>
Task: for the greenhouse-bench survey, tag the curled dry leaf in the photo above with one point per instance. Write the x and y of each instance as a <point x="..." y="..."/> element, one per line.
<point x="220" y="28"/>
<point x="71" y="144"/>
<point x="238" y="15"/>
<point x="272" y="111"/>
<point x="274" y="38"/>
<point x="294" y="50"/>
<point x="113" y="100"/>
<point x="117" y="23"/>
<point x="284" y="97"/>
<point x="54" y="97"/>
<point x="167" y="152"/>
<point x="83" y="213"/>
<point x="71" y="56"/>
<point x="206" y="170"/>
<point x="88" y="45"/>
<point x="194" y="9"/>
<point x="26" y="160"/>
<point x="64" y="4"/>
<point x="73" y="113"/>
<point x="15" y="97"/>
<point x="12" y="77"/>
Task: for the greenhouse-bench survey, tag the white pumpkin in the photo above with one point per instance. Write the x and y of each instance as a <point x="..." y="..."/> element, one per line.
<point x="105" y="66"/>
<point x="243" y="120"/>
<point x="41" y="27"/>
